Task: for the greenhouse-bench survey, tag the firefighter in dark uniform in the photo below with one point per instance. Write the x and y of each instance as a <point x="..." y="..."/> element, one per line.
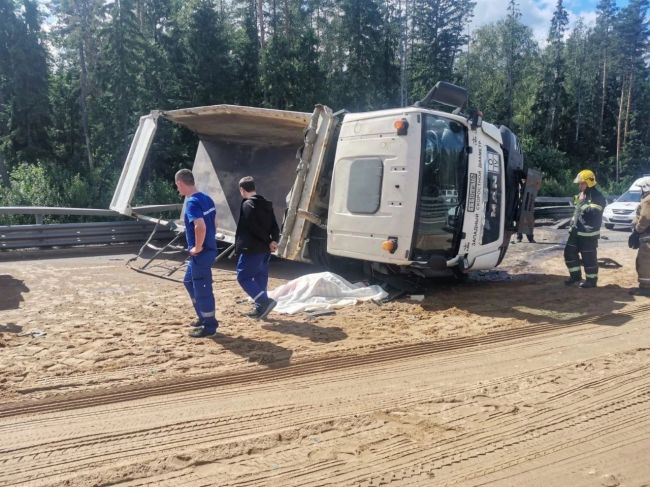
<point x="584" y="232"/>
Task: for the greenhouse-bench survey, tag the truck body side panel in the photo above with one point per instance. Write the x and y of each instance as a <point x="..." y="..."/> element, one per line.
<point x="308" y="200"/>
<point x="243" y="141"/>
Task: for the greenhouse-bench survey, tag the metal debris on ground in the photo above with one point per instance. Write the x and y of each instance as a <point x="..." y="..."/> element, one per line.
<point x="607" y="263"/>
<point x="320" y="312"/>
<point x="34" y="333"/>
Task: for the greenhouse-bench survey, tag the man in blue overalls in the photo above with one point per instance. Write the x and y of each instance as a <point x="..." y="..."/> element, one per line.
<point x="256" y="237"/>
<point x="200" y="233"/>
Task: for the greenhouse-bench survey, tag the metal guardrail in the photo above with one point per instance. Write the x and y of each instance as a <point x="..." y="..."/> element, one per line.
<point x="67" y="234"/>
<point x="40" y="211"/>
<point x="548" y="201"/>
<point x="553" y="208"/>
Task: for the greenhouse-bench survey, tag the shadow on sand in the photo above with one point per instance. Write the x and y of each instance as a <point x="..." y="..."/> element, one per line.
<point x="11" y="292"/>
<point x="537" y="298"/>
<point x="315" y="333"/>
<point x="261" y="352"/>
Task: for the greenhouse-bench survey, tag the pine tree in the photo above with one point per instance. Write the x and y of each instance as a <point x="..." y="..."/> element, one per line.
<point x="247" y="57"/>
<point x="369" y="56"/>
<point x="208" y="64"/>
<point x="633" y="35"/>
<point x="289" y="70"/>
<point x="76" y="37"/>
<point x="606" y="13"/>
<point x="8" y="26"/>
<point x="120" y="79"/>
<point x="27" y="79"/>
<point x="551" y="97"/>
<point x="437" y="36"/>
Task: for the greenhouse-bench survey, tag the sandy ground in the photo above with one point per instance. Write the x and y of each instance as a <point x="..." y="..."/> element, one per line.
<point x="507" y="379"/>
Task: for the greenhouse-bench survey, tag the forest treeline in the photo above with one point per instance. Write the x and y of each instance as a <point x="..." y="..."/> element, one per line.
<point x="75" y="76"/>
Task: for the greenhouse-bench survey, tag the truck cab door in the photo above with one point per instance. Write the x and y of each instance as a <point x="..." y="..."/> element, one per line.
<point x="373" y="197"/>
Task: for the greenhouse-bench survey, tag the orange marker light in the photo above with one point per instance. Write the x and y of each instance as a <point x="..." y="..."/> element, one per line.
<point x="389" y="245"/>
<point x="402" y="126"/>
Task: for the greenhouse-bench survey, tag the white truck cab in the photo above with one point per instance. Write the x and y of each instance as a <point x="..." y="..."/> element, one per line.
<point x="429" y="196"/>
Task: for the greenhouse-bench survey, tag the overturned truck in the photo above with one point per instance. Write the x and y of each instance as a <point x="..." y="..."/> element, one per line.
<point x="408" y="190"/>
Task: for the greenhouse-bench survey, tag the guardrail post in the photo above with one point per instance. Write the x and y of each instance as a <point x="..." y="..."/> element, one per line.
<point x="39" y="219"/>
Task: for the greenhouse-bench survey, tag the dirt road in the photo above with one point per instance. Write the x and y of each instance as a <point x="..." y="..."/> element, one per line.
<point x="510" y="379"/>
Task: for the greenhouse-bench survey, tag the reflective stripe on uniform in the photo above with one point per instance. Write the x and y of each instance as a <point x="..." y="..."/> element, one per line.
<point x="574" y="269"/>
<point x="589" y="234"/>
<point x="593" y="205"/>
<point x="209" y="211"/>
<point x="209" y="314"/>
<point x="591" y="276"/>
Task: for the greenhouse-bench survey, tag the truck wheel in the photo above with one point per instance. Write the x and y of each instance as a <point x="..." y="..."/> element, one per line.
<point x="339" y="265"/>
<point x="609" y="226"/>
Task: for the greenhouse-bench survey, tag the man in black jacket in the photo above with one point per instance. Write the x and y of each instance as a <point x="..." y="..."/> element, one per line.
<point x="584" y="231"/>
<point x="256" y="237"/>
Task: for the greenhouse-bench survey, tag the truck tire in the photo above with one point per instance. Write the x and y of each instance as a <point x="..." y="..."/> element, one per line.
<point x="318" y="254"/>
<point x="609" y="226"/>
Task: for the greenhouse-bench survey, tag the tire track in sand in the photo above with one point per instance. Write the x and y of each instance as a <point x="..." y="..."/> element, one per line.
<point x="141" y="391"/>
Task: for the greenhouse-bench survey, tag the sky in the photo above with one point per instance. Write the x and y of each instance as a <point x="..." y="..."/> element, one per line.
<point x="537" y="13"/>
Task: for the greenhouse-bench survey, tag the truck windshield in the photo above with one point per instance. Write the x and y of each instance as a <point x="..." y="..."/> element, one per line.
<point x="444" y="163"/>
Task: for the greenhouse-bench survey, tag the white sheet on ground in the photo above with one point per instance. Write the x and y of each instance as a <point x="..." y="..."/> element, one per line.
<point x="320" y="291"/>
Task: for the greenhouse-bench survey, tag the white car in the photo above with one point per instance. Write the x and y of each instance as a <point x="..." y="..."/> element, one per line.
<point x="623" y="210"/>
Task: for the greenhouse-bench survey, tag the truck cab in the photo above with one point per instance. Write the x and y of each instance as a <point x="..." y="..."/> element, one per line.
<point x="429" y="195"/>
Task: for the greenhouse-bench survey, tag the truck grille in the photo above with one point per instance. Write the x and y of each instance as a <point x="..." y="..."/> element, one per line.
<point x="622" y="212"/>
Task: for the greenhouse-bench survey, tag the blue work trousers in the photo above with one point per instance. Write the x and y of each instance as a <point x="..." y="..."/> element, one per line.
<point x="198" y="282"/>
<point x="253" y="276"/>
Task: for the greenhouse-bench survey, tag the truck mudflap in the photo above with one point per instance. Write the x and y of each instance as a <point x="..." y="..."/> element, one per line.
<point x="526" y="220"/>
<point x="305" y="201"/>
<point x="525" y="223"/>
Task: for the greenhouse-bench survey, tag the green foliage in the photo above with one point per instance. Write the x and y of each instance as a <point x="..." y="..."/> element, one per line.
<point x="438" y="34"/>
<point x="67" y="117"/>
<point x="31" y="185"/>
<point x="156" y="191"/>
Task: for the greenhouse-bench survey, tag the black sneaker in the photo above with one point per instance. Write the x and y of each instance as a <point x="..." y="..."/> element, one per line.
<point x="264" y="312"/>
<point x="195" y="324"/>
<point x="254" y="313"/>
<point x="588" y="284"/>
<point x="202" y="332"/>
